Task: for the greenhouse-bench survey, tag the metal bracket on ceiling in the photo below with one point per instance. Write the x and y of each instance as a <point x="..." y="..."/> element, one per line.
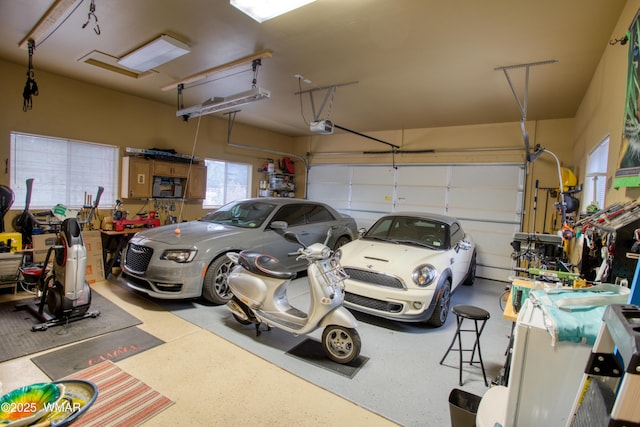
<point x="522" y="105"/>
<point x="330" y="94"/>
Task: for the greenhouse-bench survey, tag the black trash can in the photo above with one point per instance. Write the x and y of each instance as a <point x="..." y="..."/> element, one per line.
<point x="463" y="407"/>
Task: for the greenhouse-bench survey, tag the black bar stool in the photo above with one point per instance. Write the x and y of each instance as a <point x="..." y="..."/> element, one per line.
<point x="476" y="314"/>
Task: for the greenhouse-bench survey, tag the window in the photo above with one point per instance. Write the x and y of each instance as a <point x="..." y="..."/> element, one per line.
<point x="596" y="176"/>
<point x="64" y="171"/>
<point x="226" y="182"/>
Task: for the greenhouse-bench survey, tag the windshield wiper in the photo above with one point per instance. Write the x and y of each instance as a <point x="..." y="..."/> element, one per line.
<point x="415" y="243"/>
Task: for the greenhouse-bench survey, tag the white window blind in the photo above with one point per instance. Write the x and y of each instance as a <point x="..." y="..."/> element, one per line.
<point x="596" y="176"/>
<point x="226" y="182"/>
<point x="64" y="171"/>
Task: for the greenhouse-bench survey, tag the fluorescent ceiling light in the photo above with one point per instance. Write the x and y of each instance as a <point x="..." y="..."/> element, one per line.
<point x="155" y="53"/>
<point x="263" y="10"/>
<point x="220" y="104"/>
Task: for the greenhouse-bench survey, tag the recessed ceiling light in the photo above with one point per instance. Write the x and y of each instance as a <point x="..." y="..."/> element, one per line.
<point x="155" y="53"/>
<point x="263" y="10"/>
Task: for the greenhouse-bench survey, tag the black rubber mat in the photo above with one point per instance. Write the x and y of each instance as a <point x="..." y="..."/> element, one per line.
<point x="311" y="351"/>
<point x="113" y="346"/>
<point x="17" y="339"/>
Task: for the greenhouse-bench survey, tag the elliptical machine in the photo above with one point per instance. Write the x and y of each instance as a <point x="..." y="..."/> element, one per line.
<point x="64" y="292"/>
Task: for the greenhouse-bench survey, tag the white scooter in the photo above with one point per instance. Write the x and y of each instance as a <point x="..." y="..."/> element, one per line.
<point x="259" y="286"/>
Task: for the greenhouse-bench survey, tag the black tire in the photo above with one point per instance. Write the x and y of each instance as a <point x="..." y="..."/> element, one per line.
<point x="341" y="344"/>
<point x="439" y="316"/>
<point x="341" y="242"/>
<point x="471" y="274"/>
<point x="215" y="286"/>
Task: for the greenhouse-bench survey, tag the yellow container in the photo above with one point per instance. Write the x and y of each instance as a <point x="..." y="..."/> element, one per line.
<point x="13" y="239"/>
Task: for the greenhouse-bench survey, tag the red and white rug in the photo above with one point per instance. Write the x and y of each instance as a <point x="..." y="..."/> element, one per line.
<point x="122" y="401"/>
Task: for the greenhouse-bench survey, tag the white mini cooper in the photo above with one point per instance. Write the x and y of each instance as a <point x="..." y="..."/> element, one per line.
<point x="406" y="266"/>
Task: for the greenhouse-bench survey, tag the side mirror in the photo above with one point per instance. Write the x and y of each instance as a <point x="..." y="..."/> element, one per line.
<point x="361" y="231"/>
<point x="279" y="226"/>
<point x="464" y="245"/>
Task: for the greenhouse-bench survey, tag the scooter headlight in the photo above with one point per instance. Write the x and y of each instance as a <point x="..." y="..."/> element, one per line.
<point x="179" y="255"/>
<point x="423" y="275"/>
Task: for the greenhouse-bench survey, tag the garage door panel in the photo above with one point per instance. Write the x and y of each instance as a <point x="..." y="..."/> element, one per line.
<point x="330" y="191"/>
<point x="415" y="198"/>
<point x="372" y="175"/>
<point x="492" y="176"/>
<point x="434" y="176"/>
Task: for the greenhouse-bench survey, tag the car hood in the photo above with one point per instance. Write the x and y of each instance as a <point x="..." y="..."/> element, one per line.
<point x="191" y="232"/>
<point x="390" y="257"/>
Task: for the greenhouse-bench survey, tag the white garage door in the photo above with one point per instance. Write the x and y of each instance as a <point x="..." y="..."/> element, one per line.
<point x="486" y="198"/>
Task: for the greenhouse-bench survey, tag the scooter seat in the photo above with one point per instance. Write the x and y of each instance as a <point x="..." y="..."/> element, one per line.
<point x="265" y="265"/>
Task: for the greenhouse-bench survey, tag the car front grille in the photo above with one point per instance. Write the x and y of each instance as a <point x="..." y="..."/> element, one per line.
<point x="359" y="300"/>
<point x="374" y="278"/>
<point x="137" y="258"/>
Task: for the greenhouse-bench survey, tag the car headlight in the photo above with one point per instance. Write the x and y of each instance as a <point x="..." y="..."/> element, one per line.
<point x="338" y="254"/>
<point x="179" y="255"/>
<point x="423" y="275"/>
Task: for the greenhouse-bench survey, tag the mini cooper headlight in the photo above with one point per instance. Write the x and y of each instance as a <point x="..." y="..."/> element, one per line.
<point x="338" y="255"/>
<point x="423" y="275"/>
<point x="179" y="255"/>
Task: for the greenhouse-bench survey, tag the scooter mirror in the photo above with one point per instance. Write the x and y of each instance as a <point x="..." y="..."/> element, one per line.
<point x="293" y="238"/>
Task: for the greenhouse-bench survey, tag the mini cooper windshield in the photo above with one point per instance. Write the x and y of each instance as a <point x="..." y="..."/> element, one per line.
<point x="411" y="231"/>
<point x="245" y="214"/>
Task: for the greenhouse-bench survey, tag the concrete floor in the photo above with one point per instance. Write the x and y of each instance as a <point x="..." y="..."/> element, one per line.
<point x="217" y="373"/>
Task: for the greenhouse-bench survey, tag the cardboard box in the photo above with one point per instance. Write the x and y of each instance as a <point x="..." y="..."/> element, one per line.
<point x="92" y="243"/>
<point x="41" y="244"/>
<point x="95" y="263"/>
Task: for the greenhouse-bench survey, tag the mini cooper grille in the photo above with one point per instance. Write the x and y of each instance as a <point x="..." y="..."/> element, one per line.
<point x="374" y="278"/>
<point x="359" y="300"/>
<point x="137" y="258"/>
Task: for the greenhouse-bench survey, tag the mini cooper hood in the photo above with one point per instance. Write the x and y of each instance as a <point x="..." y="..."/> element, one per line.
<point x="190" y="232"/>
<point x="364" y="253"/>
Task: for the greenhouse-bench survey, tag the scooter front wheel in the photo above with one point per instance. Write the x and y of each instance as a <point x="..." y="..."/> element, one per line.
<point x="341" y="344"/>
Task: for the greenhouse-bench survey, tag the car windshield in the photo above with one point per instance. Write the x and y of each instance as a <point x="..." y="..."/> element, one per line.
<point x="409" y="230"/>
<point x="244" y="214"/>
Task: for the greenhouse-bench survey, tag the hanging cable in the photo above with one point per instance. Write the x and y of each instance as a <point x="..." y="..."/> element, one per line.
<point x="92" y="14"/>
<point x="30" y="87"/>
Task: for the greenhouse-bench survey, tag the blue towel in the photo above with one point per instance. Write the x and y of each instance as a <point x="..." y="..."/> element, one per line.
<point x="575" y="315"/>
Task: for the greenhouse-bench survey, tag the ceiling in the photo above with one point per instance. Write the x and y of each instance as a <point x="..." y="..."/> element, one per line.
<point x="412" y="63"/>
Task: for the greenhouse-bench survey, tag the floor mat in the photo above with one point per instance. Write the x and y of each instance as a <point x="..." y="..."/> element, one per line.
<point x="113" y="346"/>
<point x="311" y="351"/>
<point x="18" y="340"/>
<point x="123" y="400"/>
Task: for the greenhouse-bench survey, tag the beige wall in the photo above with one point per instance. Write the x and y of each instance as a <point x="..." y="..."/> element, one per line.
<point x="601" y="112"/>
<point x="70" y="109"/>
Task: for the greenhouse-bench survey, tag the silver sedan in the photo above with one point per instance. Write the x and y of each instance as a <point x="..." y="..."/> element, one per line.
<point x="188" y="260"/>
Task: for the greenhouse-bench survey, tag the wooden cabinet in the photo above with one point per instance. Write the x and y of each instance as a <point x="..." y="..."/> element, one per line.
<point x="139" y="173"/>
<point x="197" y="185"/>
<point x="170" y="169"/>
<point x="136" y="178"/>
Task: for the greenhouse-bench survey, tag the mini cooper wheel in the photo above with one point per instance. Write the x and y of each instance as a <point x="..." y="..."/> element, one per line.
<point x="215" y="287"/>
<point x="471" y="274"/>
<point x="342" y="345"/>
<point x="439" y="315"/>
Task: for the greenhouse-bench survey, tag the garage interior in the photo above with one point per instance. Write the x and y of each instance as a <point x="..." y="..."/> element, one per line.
<point x="475" y="110"/>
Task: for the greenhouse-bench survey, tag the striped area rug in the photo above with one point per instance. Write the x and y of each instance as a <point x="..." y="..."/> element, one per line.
<point x="122" y="401"/>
